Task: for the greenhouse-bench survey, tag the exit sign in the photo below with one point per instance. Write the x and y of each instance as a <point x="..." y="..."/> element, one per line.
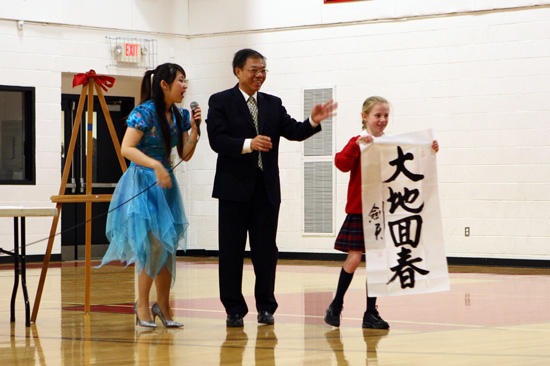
<point x="131" y="52"/>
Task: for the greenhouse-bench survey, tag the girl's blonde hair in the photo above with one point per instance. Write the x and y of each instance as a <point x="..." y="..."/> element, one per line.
<point x="369" y="104"/>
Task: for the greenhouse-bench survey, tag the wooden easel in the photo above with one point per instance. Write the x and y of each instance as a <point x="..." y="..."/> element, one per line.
<point x="88" y="197"/>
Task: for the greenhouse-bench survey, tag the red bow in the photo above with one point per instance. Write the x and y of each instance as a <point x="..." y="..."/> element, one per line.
<point x="102" y="80"/>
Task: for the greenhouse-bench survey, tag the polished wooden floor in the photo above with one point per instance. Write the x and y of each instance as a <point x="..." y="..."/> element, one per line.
<point x="491" y="316"/>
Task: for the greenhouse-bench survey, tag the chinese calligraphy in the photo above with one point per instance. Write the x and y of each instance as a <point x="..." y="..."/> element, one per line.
<point x="405" y="231"/>
<point x="397" y="199"/>
<point x="405" y="269"/>
<point x="400" y="164"/>
<point x="404" y="243"/>
<point x="375" y="215"/>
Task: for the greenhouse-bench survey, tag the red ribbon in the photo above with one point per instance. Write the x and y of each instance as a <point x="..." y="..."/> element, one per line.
<point x="103" y="81"/>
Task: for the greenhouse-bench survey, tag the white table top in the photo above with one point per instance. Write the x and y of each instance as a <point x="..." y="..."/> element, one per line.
<point x="20" y="211"/>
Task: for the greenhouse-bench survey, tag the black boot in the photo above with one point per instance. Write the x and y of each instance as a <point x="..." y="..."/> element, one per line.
<point x="334" y="313"/>
<point x="372" y="319"/>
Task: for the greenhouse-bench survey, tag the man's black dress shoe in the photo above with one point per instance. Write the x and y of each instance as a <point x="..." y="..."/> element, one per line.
<point x="265" y="317"/>
<point x="234" y="320"/>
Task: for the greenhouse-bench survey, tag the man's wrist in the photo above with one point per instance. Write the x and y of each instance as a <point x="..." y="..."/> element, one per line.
<point x="312" y="122"/>
<point x="246" y="146"/>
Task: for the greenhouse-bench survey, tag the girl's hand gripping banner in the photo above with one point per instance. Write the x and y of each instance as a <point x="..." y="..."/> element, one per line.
<point x="405" y="252"/>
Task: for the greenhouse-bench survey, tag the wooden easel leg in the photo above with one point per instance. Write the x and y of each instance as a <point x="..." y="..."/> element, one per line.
<point x="64" y="179"/>
<point x="45" y="264"/>
<point x="89" y="182"/>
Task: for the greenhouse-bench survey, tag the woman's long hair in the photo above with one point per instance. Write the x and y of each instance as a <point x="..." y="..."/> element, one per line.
<point x="151" y="89"/>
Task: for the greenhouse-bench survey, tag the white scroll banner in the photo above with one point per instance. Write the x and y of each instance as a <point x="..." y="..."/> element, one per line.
<point x="405" y="252"/>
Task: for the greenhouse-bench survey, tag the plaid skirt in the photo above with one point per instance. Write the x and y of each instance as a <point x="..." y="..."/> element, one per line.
<point x="351" y="235"/>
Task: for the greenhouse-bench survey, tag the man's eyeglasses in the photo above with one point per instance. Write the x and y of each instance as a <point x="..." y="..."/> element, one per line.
<point x="255" y="71"/>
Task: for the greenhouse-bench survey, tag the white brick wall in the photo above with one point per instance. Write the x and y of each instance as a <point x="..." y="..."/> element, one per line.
<point x="480" y="78"/>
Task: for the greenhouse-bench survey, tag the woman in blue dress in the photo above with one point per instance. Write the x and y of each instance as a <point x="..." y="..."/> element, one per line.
<point x="146" y="221"/>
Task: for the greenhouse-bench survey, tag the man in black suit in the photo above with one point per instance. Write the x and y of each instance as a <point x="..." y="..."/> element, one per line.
<point x="244" y="128"/>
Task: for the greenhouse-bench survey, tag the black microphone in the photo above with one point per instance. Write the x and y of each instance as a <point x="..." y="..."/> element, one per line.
<point x="194" y="106"/>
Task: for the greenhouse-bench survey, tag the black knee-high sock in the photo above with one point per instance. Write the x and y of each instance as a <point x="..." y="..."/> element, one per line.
<point x="371" y="304"/>
<point x="343" y="284"/>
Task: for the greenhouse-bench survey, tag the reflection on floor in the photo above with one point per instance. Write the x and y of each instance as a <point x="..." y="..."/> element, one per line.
<point x="491" y="316"/>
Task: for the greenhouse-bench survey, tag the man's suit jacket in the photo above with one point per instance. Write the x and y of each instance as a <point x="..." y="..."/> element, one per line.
<point x="229" y="123"/>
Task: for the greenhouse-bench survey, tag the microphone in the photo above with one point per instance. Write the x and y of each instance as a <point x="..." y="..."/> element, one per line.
<point x="194" y="106"/>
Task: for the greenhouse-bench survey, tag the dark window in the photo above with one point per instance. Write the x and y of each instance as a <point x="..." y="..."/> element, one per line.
<point x="17" y="120"/>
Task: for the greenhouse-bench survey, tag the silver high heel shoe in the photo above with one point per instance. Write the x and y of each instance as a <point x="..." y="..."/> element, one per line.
<point x="143" y="323"/>
<point x="167" y="323"/>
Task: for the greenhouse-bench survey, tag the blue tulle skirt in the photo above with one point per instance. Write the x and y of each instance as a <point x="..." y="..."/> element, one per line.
<point x="147" y="228"/>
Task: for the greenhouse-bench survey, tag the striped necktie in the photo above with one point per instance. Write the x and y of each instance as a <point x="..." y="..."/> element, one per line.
<point x="254" y="112"/>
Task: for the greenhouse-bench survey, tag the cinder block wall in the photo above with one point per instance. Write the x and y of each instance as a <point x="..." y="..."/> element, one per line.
<point x="478" y="76"/>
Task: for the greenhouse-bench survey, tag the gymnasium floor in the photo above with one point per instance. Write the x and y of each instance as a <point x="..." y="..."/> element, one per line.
<point x="491" y="316"/>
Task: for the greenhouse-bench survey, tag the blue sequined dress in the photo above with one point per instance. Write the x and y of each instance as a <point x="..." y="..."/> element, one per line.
<point x="146" y="224"/>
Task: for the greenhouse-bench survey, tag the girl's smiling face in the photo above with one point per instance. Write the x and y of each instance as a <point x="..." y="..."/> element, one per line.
<point x="377" y="119"/>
